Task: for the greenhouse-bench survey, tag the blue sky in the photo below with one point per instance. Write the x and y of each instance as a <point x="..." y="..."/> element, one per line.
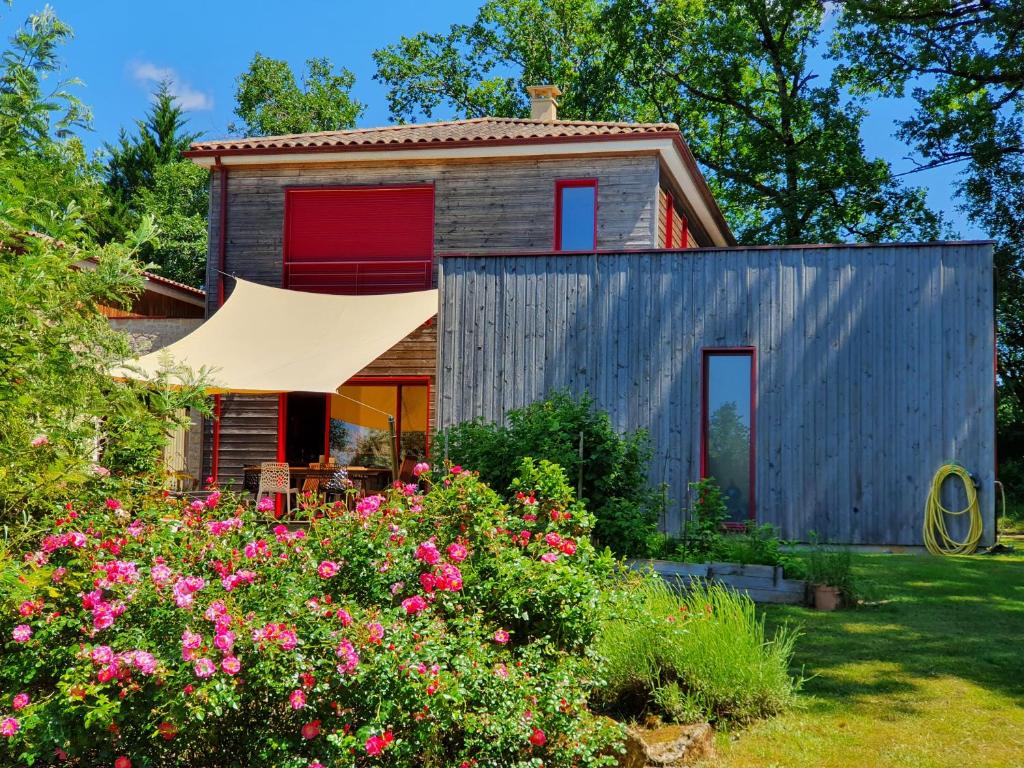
<point x="122" y="49"/>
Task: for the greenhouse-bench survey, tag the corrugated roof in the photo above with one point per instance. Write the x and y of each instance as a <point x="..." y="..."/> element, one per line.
<point x="457" y="132"/>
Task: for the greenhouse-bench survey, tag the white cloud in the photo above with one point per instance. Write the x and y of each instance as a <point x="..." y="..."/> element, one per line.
<point x="187" y="97"/>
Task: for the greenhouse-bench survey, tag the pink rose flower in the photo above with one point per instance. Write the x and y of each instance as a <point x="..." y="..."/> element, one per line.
<point x="204" y="668"/>
<point x="145" y="662"/>
<point x="231" y="665"/>
<point x="549" y="557"/>
<point x="414" y="604"/>
<point x="349" y="658"/>
<point x="457" y="553"/>
<point x="191" y="640"/>
<point x="327" y="569"/>
<point x="297" y="699"/>
<point x="39" y="440"/>
<point x="21" y="701"/>
<point x="553" y="539"/>
<point x="101" y="654"/>
<point x="22" y="633"/>
<point x="568" y="547"/>
<point x="9" y="726"/>
<point x="265" y="504"/>
<point x="538" y="738"/>
<point x="501" y="636"/>
<point x="456" y="469"/>
<point x="427" y="552"/>
<point x="376" y="631"/>
<point x="420" y="469"/>
<point x="113" y="504"/>
<point x="311" y="729"/>
<point x="225" y="641"/>
<point x="376" y="744"/>
<point x="287" y="639"/>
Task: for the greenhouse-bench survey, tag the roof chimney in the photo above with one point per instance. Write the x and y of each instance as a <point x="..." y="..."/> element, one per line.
<point x="542" y="102"/>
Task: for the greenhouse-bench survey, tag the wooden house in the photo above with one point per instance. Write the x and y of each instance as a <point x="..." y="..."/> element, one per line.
<point x="821" y="385"/>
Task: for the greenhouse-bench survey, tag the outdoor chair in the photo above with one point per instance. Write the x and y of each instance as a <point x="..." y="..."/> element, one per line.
<point x="275" y="477"/>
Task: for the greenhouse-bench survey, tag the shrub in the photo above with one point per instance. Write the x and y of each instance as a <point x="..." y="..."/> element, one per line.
<point x="614" y="467"/>
<point x="59" y="408"/>
<point x="702" y="534"/>
<point x="428" y="629"/>
<point x="698" y="655"/>
<point x="832" y="567"/>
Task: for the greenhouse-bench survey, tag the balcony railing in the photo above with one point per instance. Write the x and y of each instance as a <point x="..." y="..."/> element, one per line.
<point x="359" y="277"/>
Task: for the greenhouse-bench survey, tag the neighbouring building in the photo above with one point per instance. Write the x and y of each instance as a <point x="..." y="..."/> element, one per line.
<point x="821" y="385"/>
<point x="163" y="313"/>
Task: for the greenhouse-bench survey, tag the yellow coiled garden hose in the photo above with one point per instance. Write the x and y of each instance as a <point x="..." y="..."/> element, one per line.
<point x="936" y="535"/>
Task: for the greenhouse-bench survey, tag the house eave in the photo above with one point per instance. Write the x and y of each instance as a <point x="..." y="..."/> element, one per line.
<point x="671" y="148"/>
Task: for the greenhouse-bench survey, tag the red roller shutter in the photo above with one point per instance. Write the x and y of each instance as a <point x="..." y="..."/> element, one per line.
<point x="359" y="239"/>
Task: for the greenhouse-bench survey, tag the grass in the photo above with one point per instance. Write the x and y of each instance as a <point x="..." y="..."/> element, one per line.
<point x="929" y="674"/>
<point x="702" y="655"/>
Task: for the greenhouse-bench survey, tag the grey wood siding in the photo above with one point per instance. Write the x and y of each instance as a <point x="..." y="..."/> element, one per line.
<point x="874" y="365"/>
<point x="248" y="435"/>
<point x="480" y="207"/>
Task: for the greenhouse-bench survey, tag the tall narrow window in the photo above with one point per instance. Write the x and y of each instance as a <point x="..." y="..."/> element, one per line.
<point x="728" y="426"/>
<point x="576" y="215"/>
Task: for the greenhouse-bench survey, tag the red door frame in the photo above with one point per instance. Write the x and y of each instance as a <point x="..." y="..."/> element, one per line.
<point x="705" y="354"/>
<point x="561" y="184"/>
<point x="364" y="381"/>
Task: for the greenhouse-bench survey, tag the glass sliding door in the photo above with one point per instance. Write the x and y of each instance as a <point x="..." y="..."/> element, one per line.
<point x="359" y="431"/>
<point x="728" y="427"/>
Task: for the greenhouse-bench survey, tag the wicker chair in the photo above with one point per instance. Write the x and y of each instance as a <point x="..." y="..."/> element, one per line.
<point x="276" y="477"/>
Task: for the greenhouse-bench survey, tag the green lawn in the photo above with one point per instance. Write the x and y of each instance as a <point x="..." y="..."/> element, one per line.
<point x="929" y="674"/>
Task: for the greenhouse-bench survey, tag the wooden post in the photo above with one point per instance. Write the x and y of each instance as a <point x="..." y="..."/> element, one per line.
<point x="394" y="448"/>
<point x="579" y="477"/>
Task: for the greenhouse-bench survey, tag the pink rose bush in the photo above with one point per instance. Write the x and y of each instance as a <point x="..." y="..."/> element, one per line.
<point x="419" y="627"/>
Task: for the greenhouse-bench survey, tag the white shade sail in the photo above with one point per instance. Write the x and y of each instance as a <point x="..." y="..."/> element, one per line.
<point x="267" y="340"/>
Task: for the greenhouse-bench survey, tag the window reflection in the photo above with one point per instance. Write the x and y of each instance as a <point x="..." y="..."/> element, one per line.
<point x="728" y="417"/>
<point x="359" y="424"/>
<point x="577" y="210"/>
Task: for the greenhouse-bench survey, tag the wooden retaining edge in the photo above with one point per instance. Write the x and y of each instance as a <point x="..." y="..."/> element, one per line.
<point x="761" y="583"/>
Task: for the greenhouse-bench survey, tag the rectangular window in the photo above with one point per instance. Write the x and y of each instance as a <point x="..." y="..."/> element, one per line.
<point x="728" y="426"/>
<point x="576" y="215"/>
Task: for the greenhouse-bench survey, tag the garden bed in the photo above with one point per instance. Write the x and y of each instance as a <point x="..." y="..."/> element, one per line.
<point x="762" y="583"/>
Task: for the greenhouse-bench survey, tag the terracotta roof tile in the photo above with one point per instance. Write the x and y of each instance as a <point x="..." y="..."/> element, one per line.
<point x="458" y="132"/>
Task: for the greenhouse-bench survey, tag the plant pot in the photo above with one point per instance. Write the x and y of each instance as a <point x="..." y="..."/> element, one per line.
<point x="826" y="598"/>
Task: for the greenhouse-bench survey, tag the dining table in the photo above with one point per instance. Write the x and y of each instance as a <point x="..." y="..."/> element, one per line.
<point x="366" y="480"/>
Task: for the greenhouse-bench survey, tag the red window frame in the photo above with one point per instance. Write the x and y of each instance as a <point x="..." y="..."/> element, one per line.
<point x="670" y="213"/>
<point x="561" y="184"/>
<point x="706" y="354"/>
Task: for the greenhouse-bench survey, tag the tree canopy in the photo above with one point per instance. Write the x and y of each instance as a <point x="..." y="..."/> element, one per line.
<point x="784" y="153"/>
<point x="963" y="65"/>
<point x="270" y="101"/>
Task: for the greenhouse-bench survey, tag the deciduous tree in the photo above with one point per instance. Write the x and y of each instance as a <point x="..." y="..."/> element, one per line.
<point x="270" y="101"/>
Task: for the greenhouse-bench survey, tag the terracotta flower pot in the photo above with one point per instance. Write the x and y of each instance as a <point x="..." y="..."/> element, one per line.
<point x="826" y="598"/>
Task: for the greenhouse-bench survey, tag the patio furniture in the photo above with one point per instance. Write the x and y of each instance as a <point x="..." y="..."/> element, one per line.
<point x="275" y="477"/>
<point x="368" y="480"/>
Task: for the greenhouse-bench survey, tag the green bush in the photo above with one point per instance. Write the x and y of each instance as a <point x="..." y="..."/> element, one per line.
<point x="613" y="470"/>
<point x="699" y="655"/>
